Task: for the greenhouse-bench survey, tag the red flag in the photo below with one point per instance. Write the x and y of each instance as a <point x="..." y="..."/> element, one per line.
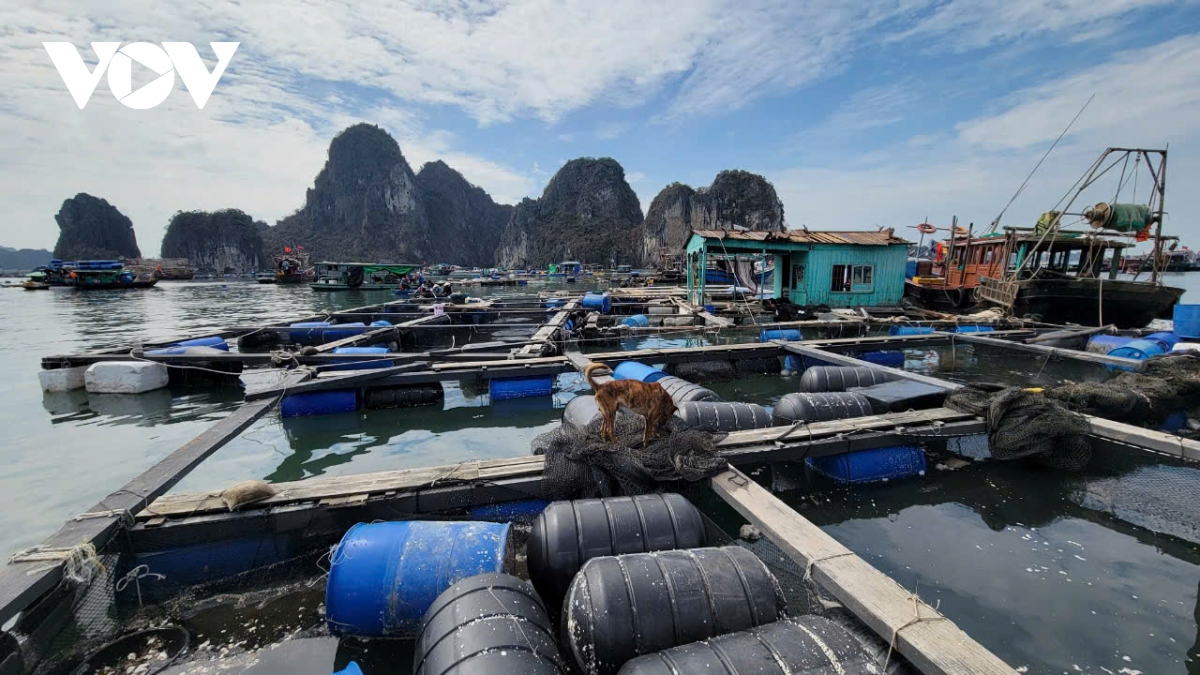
<point x="1144" y="234"/>
<point x="287" y="249"/>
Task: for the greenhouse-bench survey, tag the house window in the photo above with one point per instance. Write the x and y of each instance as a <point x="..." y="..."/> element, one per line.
<point x="853" y="279"/>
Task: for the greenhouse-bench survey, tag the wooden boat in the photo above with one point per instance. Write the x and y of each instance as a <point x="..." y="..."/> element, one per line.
<point x="170" y="269"/>
<point x="1055" y="273"/>
<point x="36" y="281"/>
<point x="335" y="276"/>
<point x="101" y="280"/>
<point x="292" y="267"/>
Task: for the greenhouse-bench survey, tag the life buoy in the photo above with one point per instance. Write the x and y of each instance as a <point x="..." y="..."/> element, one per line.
<point x="926" y="228"/>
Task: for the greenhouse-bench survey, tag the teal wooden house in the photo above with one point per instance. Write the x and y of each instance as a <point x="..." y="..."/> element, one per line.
<point x="838" y="269"/>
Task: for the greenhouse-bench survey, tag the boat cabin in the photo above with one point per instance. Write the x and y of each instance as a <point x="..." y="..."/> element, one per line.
<point x="838" y="269"/>
<point x="360" y="276"/>
<point x="567" y="268"/>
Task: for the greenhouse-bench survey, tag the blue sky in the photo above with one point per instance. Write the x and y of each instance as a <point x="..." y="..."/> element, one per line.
<point x="862" y="114"/>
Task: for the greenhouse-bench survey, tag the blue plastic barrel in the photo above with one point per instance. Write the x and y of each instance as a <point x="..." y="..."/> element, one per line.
<point x="214" y="342"/>
<point x="1103" y="344"/>
<point x="910" y="330"/>
<point x="555" y="303"/>
<point x="1138" y="349"/>
<point x="633" y="370"/>
<point x="342" y="331"/>
<point x="974" y="329"/>
<point x="319" y="403"/>
<point x="871" y="466"/>
<point x="597" y="303"/>
<point x="910" y="268"/>
<point x="637" y="321"/>
<point x="301" y="331"/>
<point x="358" y="364"/>
<point x="1166" y="339"/>
<point x="381" y="323"/>
<point x="384" y="576"/>
<point x="893" y="358"/>
<point x="710" y="308"/>
<point x="1187" y="321"/>
<point x="505" y="388"/>
<point x="350" y="669"/>
<point x="520" y="511"/>
<point x="789" y="334"/>
<point x="168" y="351"/>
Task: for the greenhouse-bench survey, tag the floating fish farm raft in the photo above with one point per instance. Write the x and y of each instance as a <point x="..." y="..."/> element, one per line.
<point x="575" y="555"/>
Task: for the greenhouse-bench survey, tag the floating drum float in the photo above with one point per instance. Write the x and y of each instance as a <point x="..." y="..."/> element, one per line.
<point x="505" y="388"/>
<point x="567" y="534"/>
<point x="636" y="321"/>
<point x="805" y="644"/>
<point x="820" y="406"/>
<point x="1187" y="322"/>
<point x="342" y="331"/>
<point x="580" y="411"/>
<point x="788" y="334"/>
<point x="910" y="330"/>
<point x="319" y="403"/>
<point x="722" y="416"/>
<point x="621" y="607"/>
<point x="891" y="358"/>
<point x="214" y="342"/>
<point x="1138" y="349"/>
<point x="597" y="303"/>
<point x="974" y="329"/>
<point x="1166" y="340"/>
<point x="841" y="378"/>
<point x="1103" y="344"/>
<point x="633" y="370"/>
<point x="407" y="396"/>
<point x="303" y="331"/>
<point x="681" y="391"/>
<point x="383" y="577"/>
<point x="871" y="466"/>
<point x="62" y="379"/>
<point x="359" y="364"/>
<point x="125" y="377"/>
<point x="487" y="624"/>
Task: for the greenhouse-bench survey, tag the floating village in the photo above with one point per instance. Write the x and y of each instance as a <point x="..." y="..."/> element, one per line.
<point x="659" y="528"/>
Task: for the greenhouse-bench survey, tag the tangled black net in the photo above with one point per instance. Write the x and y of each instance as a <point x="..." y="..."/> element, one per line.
<point x="1023" y="423"/>
<point x="702" y="372"/>
<point x="580" y="465"/>
<point x="1162" y="385"/>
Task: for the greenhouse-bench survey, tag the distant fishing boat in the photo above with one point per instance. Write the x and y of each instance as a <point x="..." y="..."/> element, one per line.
<point x="98" y="275"/>
<point x="291" y="267"/>
<point x="338" y="276"/>
<point x="35" y="281"/>
<point x="1040" y="275"/>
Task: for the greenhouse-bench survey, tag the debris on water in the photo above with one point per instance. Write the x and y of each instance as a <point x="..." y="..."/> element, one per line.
<point x="749" y="532"/>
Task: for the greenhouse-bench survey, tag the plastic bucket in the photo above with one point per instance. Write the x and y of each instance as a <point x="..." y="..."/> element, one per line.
<point x="910" y="330"/>
<point x="505" y="388"/>
<point x="1138" y="349"/>
<point x="597" y="303"/>
<point x="1103" y="344"/>
<point x="637" y="321"/>
<point x="1166" y="340"/>
<point x="356" y="364"/>
<point x="789" y="334"/>
<point x="384" y="576"/>
<point x="633" y="370"/>
<point x="1187" y="321"/>
<point x="214" y="342"/>
<point x="319" y="403"/>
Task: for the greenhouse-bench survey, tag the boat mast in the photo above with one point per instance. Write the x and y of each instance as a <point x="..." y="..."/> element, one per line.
<point x="1160" y="186"/>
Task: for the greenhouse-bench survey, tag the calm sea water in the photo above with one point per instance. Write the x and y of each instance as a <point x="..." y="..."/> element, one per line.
<point x="1015" y="557"/>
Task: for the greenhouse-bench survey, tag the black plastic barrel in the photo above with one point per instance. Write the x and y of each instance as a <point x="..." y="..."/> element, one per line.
<point x="806" y="644"/>
<point x="841" y="378"/>
<point x="567" y="534"/>
<point x="682" y="391"/>
<point x="484" y="625"/>
<point x="407" y="396"/>
<point x="621" y="607"/>
<point x="580" y="411"/>
<point x="818" y="407"/>
<point x="719" y="416"/>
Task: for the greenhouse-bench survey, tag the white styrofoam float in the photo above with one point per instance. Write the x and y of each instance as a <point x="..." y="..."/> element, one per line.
<point x="62" y="379"/>
<point x="125" y="377"/>
<point x="1186" y="347"/>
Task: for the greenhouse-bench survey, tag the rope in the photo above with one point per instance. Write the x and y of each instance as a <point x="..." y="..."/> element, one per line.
<point x="80" y="562"/>
<point x="136" y="575"/>
<point x="917" y="618"/>
<point x="816" y="561"/>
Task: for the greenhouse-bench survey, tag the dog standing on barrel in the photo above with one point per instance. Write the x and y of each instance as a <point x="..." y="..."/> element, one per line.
<point x="647" y="399"/>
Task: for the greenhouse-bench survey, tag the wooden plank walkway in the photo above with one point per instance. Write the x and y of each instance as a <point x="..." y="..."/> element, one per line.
<point x="548" y="332"/>
<point x="930" y="641"/>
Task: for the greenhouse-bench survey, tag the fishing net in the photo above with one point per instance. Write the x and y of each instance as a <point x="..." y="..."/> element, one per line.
<point x="1161" y="498"/>
<point x="1163" y="385"/>
<point x="1022" y="423"/>
<point x="580" y="464"/>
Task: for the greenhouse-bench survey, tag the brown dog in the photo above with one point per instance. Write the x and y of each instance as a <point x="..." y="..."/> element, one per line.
<point x="647" y="399"/>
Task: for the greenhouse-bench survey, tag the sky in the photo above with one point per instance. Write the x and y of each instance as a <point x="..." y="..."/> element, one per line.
<point x="863" y="114"/>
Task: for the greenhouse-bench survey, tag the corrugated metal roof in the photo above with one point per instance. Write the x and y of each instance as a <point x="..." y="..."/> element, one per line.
<point x="884" y="238"/>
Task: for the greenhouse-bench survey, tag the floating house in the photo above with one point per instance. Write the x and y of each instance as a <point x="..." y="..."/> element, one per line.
<point x="838" y="269"/>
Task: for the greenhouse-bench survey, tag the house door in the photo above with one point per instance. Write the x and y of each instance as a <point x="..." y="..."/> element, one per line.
<point x="799" y="286"/>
